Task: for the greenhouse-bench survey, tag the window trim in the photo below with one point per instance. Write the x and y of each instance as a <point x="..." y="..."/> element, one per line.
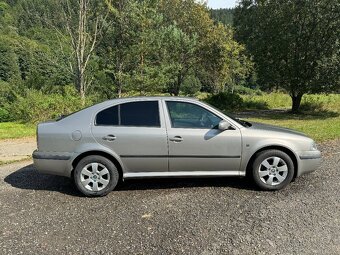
<point x="169" y="115"/>
<point x="119" y="117"/>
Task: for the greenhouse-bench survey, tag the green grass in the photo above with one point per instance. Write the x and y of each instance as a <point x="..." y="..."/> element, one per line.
<point x="11" y="130"/>
<point x="320" y="116"/>
<point x="2" y="163"/>
<point x="320" y="129"/>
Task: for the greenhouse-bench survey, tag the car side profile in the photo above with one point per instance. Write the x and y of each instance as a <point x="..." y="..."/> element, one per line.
<point x="152" y="137"/>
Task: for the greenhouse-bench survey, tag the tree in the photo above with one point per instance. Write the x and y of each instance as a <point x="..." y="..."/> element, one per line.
<point x="180" y="56"/>
<point x="132" y="47"/>
<point x="295" y="44"/>
<point x="9" y="69"/>
<point x="226" y="63"/>
<point x="84" y="22"/>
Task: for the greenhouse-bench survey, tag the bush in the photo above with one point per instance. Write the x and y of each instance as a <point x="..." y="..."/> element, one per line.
<point x="226" y="101"/>
<point x="247" y="91"/>
<point x="191" y="85"/>
<point x="36" y="106"/>
<point x="311" y="106"/>
<point x="4" y="115"/>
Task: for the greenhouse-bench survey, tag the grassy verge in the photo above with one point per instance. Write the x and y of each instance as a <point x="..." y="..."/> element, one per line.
<point x="321" y="129"/>
<point x="11" y="130"/>
<point x="2" y="163"/>
<point x="320" y="117"/>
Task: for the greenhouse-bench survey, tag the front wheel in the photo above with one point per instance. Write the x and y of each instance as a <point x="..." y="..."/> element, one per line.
<point x="272" y="170"/>
<point x="95" y="176"/>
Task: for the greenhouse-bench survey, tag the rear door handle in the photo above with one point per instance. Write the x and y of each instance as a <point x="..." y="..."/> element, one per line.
<point x="109" y="138"/>
<point x="176" y="139"/>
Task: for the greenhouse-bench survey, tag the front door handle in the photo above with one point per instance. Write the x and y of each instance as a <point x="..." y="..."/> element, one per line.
<point x="176" y="139"/>
<point x="109" y="138"/>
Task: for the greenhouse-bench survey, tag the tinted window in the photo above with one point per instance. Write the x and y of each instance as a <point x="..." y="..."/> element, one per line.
<point x="186" y="115"/>
<point x="108" y="117"/>
<point x="140" y="114"/>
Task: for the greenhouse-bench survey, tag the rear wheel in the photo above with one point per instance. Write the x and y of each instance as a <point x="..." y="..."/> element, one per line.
<point x="95" y="176"/>
<point x="272" y="170"/>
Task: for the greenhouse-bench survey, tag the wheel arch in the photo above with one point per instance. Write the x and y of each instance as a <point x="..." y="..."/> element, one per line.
<point x="109" y="156"/>
<point x="286" y="150"/>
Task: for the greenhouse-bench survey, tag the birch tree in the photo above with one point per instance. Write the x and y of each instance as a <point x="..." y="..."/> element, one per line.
<point x="84" y="21"/>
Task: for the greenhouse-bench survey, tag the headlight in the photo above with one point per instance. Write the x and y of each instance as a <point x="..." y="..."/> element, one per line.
<point x="313" y="147"/>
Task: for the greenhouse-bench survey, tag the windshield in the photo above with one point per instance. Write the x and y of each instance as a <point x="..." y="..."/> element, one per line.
<point x="244" y="123"/>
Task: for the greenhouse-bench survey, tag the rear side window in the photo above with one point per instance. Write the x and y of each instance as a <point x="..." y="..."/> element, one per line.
<point x="136" y="114"/>
<point x="140" y="114"/>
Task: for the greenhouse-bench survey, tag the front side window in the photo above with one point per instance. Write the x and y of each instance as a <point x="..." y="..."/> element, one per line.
<point x="187" y="115"/>
<point x="136" y="114"/>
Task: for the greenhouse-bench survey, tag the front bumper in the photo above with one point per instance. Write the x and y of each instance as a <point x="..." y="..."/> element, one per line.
<point x="308" y="161"/>
<point x="53" y="163"/>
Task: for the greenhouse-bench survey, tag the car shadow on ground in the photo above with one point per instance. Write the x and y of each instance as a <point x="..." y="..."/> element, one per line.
<point x="28" y="178"/>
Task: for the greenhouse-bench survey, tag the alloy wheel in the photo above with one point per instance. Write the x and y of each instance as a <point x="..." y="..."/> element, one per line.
<point x="273" y="171"/>
<point x="94" y="177"/>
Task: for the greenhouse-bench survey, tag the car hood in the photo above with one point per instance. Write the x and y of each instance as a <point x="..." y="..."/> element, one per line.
<point x="271" y="128"/>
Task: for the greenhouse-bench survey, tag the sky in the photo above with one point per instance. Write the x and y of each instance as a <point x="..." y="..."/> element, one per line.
<point x="217" y="4"/>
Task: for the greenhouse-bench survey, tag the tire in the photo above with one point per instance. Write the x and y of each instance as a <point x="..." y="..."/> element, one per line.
<point x="96" y="176"/>
<point x="272" y="170"/>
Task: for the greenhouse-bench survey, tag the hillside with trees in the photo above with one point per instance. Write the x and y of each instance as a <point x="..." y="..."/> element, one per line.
<point x="97" y="50"/>
<point x="57" y="56"/>
<point x="224" y="15"/>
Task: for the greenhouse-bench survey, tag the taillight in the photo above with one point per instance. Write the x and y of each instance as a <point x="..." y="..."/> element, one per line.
<point x="37" y="136"/>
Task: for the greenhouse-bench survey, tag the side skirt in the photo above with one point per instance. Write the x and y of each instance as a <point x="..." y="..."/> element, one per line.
<point x="182" y="174"/>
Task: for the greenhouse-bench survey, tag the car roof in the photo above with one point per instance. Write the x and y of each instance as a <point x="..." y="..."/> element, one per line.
<point x="154" y="98"/>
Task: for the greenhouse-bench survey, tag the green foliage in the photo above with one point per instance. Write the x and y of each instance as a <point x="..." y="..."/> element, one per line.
<point x="12" y="130"/>
<point x="4" y="115"/>
<point x="164" y="47"/>
<point x="226" y="101"/>
<point x="295" y="44"/>
<point x="9" y="69"/>
<point x="228" y="65"/>
<point x="241" y="90"/>
<point x="36" y="106"/>
<point x="191" y="85"/>
<point x="224" y="15"/>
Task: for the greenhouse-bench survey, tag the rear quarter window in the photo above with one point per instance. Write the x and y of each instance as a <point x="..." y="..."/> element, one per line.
<point x="108" y="117"/>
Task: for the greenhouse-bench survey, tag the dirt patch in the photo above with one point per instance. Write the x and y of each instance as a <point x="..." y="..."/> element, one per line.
<point x="16" y="149"/>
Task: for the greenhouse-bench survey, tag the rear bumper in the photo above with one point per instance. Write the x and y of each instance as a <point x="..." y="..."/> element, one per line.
<point x="309" y="161"/>
<point x="53" y="163"/>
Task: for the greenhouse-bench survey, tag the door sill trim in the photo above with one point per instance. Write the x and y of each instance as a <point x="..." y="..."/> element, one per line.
<point x="182" y="174"/>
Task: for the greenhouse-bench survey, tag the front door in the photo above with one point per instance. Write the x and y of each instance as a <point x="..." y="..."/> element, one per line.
<point x="195" y="142"/>
<point x="136" y="132"/>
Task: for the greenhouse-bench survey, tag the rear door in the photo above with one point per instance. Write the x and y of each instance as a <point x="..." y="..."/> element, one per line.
<point x="136" y="132"/>
<point x="196" y="143"/>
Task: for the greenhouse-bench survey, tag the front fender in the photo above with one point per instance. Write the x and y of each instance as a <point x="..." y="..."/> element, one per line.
<point x="250" y="148"/>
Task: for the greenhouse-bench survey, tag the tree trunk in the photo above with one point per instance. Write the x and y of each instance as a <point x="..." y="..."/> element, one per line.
<point x="119" y="90"/>
<point x="81" y="86"/>
<point x="296" y="102"/>
<point x="178" y="84"/>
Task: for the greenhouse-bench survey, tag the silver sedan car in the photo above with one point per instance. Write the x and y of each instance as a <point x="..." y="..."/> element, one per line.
<point x="151" y="137"/>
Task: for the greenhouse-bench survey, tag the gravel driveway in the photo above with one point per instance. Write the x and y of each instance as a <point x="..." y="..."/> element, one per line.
<point x="43" y="214"/>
